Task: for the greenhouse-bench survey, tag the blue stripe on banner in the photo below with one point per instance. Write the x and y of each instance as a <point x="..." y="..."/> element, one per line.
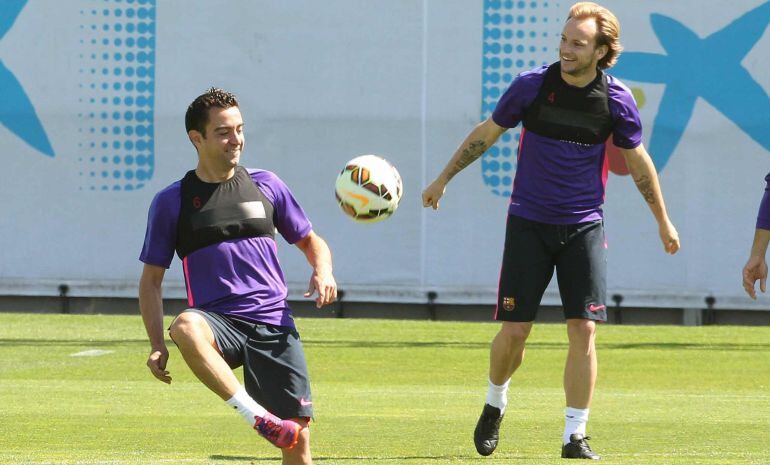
<point x="18" y="114"/>
<point x="518" y="35"/>
<point x="118" y="103"/>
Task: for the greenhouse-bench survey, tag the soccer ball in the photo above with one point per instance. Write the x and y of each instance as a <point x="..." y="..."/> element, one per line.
<point x="368" y="189"/>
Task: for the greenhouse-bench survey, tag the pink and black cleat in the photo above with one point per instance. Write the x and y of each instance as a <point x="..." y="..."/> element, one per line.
<point x="281" y="433"/>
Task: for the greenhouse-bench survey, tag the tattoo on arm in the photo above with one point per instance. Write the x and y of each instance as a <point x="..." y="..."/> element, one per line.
<point x="474" y="150"/>
<point x="644" y="184"/>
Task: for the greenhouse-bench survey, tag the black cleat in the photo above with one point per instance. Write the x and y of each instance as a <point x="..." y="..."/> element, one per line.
<point x="487" y="430"/>
<point x="578" y="448"/>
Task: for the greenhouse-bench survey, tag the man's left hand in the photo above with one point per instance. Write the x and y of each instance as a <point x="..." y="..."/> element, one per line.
<point x="669" y="237"/>
<point x="326" y="287"/>
<point x="755" y="270"/>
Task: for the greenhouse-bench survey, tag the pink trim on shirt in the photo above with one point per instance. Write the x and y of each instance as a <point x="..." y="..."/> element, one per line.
<point x="605" y="172"/>
<point x="190" y="300"/>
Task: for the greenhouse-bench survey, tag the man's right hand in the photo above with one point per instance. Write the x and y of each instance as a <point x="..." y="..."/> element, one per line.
<point x="156" y="362"/>
<point x="755" y="270"/>
<point x="669" y="236"/>
<point x="432" y="194"/>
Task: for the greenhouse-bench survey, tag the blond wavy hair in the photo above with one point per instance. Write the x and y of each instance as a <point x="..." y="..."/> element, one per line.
<point x="608" y="29"/>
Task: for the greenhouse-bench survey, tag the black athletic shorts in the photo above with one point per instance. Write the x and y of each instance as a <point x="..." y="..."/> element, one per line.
<point x="274" y="368"/>
<point x="533" y="250"/>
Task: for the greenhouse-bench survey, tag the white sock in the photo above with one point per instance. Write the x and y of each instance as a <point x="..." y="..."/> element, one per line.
<point x="497" y="396"/>
<point x="246" y="406"/>
<point x="575" y="420"/>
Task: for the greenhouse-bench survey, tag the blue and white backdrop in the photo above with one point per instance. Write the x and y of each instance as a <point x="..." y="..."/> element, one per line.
<point x="93" y="94"/>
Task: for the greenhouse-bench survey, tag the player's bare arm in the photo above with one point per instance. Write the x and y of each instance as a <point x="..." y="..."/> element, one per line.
<point x="322" y="280"/>
<point x="483" y="136"/>
<point x="645" y="176"/>
<point x="151" y="306"/>
<point x="756" y="267"/>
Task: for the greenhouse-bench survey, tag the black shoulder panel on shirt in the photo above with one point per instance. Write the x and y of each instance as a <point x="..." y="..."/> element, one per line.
<point x="572" y="114"/>
<point x="211" y="213"/>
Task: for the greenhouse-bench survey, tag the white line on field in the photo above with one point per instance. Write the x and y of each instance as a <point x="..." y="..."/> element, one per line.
<point x="92" y="353"/>
<point x="409" y="390"/>
<point x="108" y="462"/>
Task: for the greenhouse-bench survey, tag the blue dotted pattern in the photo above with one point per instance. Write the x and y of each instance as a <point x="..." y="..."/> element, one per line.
<point x="518" y="36"/>
<point x="118" y="94"/>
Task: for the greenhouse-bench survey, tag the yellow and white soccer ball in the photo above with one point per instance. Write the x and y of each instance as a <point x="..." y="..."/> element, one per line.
<point x="368" y="189"/>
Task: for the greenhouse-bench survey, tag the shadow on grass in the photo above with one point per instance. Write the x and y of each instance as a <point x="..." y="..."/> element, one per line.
<point x="543" y="345"/>
<point x="70" y="342"/>
<point x="719" y="346"/>
<point x="243" y="458"/>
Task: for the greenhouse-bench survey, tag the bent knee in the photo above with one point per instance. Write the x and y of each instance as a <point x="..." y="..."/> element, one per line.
<point x="515" y="332"/>
<point x="186" y="326"/>
<point x="582" y="335"/>
<point x="581" y="328"/>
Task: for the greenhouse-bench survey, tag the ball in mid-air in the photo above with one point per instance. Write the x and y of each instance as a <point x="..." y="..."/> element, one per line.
<point x="368" y="189"/>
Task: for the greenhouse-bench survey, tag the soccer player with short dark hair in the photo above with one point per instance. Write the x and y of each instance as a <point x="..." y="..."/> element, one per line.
<point x="756" y="267"/>
<point x="555" y="221"/>
<point x="221" y="220"/>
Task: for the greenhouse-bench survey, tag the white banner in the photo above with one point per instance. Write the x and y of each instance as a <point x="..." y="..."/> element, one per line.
<point x="92" y="126"/>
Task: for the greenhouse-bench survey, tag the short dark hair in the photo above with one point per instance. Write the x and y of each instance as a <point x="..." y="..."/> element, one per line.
<point x="197" y="115"/>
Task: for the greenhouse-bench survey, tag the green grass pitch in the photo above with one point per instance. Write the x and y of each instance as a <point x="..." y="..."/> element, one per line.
<point x="386" y="392"/>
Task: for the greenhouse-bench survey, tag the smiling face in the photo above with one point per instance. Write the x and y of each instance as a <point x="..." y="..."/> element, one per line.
<point x="220" y="145"/>
<point x="578" y="51"/>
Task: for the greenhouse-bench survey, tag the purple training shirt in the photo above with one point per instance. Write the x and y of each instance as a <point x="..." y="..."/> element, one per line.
<point x="763" y="217"/>
<point x="239" y="277"/>
<point x="561" y="182"/>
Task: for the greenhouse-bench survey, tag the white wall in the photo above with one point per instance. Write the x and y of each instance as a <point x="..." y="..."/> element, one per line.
<point x="321" y="82"/>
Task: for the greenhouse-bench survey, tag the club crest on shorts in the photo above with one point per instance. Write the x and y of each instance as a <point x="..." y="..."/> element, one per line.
<point x="509" y="303"/>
